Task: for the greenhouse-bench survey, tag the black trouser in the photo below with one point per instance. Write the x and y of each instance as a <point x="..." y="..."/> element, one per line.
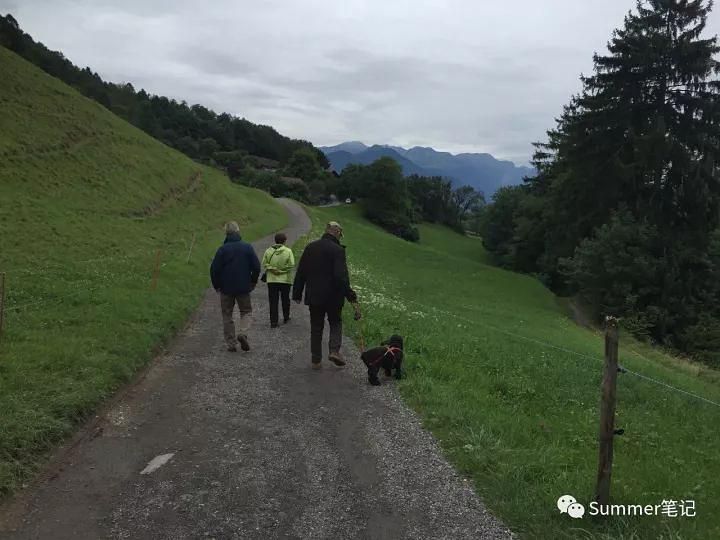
<point x="317" y="326"/>
<point x="278" y="291"/>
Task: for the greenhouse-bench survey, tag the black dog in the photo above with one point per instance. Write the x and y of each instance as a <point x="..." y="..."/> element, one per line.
<point x="389" y="356"/>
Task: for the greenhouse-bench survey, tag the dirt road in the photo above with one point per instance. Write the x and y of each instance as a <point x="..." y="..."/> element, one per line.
<point x="252" y="445"/>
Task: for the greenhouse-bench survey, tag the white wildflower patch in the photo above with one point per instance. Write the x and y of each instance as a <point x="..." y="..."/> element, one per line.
<point x="372" y="292"/>
<point x="380" y="300"/>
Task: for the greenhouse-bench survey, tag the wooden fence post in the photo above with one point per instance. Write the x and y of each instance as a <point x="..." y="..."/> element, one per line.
<point x="2" y="302"/>
<point x="607" y="411"/>
<point x="156" y="271"/>
<point x="192" y="243"/>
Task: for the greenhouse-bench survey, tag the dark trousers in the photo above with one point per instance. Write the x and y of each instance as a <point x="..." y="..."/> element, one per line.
<point x="318" y="313"/>
<point x="279" y="291"/>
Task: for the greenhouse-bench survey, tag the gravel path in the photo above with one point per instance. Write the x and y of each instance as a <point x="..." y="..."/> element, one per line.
<point x="261" y="447"/>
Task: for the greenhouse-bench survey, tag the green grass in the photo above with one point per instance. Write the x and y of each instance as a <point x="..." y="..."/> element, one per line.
<point x="515" y="413"/>
<point x="78" y="251"/>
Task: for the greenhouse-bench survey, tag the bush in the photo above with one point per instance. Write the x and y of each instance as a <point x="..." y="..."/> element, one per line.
<point x="498" y="227"/>
<point x="387" y="203"/>
<point x="409" y="233"/>
<point x="702" y="340"/>
<point x="617" y="273"/>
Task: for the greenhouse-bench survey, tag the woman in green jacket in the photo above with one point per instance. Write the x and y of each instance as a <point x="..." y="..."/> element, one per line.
<point x="278" y="263"/>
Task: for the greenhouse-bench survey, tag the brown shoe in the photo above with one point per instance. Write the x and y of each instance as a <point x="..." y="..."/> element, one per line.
<point x="316" y="365"/>
<point x="244" y="345"/>
<point x="336" y="359"/>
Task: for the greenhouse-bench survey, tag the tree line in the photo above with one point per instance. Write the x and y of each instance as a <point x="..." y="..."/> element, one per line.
<point x="303" y="177"/>
<point x="625" y="209"/>
<point x="200" y="133"/>
<point x="398" y="203"/>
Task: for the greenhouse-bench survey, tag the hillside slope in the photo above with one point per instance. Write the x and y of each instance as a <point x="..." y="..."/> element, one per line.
<point x="87" y="203"/>
<point x="198" y="132"/>
<point x="511" y="388"/>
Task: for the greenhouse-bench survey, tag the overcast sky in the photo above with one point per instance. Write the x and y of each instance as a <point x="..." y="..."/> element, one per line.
<point x="458" y="75"/>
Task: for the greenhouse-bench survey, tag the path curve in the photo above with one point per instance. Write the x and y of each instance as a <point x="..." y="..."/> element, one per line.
<point x="262" y="447"/>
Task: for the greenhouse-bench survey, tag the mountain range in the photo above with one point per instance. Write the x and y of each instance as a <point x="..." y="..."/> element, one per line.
<point x="481" y="171"/>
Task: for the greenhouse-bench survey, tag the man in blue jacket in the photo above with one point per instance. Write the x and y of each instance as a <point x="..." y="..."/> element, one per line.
<point x="234" y="273"/>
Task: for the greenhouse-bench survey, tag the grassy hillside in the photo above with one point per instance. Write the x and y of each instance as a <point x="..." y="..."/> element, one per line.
<point x="511" y="388"/>
<point x="86" y="202"/>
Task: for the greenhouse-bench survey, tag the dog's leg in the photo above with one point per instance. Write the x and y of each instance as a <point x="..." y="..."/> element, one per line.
<point x="373" y="375"/>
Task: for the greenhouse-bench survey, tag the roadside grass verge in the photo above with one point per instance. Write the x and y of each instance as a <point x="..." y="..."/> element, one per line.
<point x="510" y="386"/>
<point x="87" y="200"/>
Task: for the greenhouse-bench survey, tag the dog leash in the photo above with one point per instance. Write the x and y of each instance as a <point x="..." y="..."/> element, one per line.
<point x="359" y="318"/>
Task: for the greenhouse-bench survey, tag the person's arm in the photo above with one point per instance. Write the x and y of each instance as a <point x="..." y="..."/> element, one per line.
<point x="289" y="262"/>
<point x="342" y="276"/>
<point x="215" y="271"/>
<point x="254" y="266"/>
<point x="264" y="263"/>
<point x="300" y="277"/>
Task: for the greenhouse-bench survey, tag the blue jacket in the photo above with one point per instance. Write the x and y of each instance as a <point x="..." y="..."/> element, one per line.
<point x="235" y="268"/>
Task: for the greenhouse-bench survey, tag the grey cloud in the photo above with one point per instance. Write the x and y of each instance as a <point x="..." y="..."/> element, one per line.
<point x="459" y="75"/>
<point x="212" y="62"/>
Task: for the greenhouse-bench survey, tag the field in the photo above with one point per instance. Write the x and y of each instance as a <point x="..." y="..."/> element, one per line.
<point x="510" y="386"/>
<point x="496" y="369"/>
<point x="86" y="202"/>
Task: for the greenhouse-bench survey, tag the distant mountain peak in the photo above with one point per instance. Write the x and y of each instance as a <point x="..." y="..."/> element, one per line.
<point x="481" y="171"/>
<point x="354" y="147"/>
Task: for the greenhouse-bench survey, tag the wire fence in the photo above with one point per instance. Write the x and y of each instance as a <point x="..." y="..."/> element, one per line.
<point x="547" y="345"/>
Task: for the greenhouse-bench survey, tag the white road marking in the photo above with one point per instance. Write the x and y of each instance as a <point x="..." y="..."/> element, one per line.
<point x="156" y="463"/>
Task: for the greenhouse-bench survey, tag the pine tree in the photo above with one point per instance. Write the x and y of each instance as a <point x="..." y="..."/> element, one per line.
<point x="644" y="131"/>
<point x="642" y="135"/>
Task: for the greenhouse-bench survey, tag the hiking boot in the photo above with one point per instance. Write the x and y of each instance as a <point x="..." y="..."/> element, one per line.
<point x="244" y="345"/>
<point x="336" y="359"/>
<point x="285" y="321"/>
<point x="274" y="325"/>
<point x="316" y="365"/>
<point x="232" y="348"/>
<point x="374" y="381"/>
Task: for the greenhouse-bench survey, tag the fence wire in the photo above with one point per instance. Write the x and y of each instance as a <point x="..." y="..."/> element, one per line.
<point x="568" y="351"/>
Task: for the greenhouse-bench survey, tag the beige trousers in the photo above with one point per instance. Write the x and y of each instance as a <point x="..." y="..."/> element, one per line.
<point x="227" y="306"/>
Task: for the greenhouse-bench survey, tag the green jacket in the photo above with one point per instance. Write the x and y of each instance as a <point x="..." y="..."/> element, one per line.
<point x="278" y="262"/>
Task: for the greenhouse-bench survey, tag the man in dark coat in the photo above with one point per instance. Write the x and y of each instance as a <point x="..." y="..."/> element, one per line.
<point x="322" y="273"/>
<point x="234" y="273"/>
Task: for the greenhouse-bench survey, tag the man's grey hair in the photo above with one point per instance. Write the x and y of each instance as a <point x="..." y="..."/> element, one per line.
<point x="232" y="227"/>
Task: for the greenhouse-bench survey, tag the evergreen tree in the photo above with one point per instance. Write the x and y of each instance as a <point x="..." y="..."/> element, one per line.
<point x="644" y="130"/>
<point x="642" y="138"/>
<point x="387" y="200"/>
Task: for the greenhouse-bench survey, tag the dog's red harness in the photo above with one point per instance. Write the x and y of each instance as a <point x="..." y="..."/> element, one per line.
<point x="390" y="351"/>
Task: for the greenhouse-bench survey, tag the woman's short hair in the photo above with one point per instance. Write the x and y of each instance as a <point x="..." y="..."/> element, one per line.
<point x="280" y="238"/>
<point x="232" y="227"/>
